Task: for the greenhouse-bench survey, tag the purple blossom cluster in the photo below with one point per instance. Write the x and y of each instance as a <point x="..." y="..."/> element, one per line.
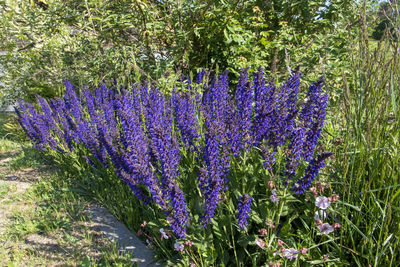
<point x="185" y="113"/>
<point x="311" y="172"/>
<point x="244" y="210"/>
<point x="141" y="134"/>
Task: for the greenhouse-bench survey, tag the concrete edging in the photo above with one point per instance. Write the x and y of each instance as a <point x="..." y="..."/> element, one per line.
<point x="125" y="240"/>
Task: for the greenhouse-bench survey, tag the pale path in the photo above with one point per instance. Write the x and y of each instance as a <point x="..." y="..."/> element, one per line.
<point x="125" y="240"/>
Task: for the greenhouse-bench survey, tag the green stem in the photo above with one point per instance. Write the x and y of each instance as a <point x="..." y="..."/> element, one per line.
<point x="281" y="204"/>
<point x="232" y="234"/>
<point x="242" y="168"/>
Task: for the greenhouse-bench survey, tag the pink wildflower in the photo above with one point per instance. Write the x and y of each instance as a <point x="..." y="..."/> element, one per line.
<point x="274" y="198"/>
<point x="303" y="251"/>
<point x="271" y="264"/>
<point x="263" y="232"/>
<point x="326" y="229"/>
<point x="320" y="186"/>
<point x="290" y="253"/>
<point x="322" y="202"/>
<point x="270" y="224"/>
<point x="318" y="222"/>
<point x="189" y="243"/>
<point x="334" y="198"/>
<point x="163" y="234"/>
<point x="271" y="184"/>
<point x="178" y="246"/>
<point x="261" y="243"/>
<point x="336" y="226"/>
<point x="313" y="190"/>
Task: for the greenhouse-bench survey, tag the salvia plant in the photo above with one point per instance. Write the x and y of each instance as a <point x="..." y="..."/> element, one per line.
<point x="230" y="170"/>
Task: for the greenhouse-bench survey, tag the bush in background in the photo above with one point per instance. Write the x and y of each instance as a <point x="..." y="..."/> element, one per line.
<point x="90" y="41"/>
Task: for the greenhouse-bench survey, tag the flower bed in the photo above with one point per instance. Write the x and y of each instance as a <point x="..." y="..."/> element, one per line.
<point x="229" y="178"/>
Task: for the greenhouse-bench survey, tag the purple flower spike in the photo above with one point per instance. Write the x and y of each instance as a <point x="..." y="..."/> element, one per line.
<point x="265" y="118"/>
<point x="200" y="77"/>
<point x="312" y="117"/>
<point x="311" y="172"/>
<point x="185" y="118"/>
<point x="244" y="210"/>
<point x="244" y="103"/>
<point x="296" y="146"/>
<point x="211" y="179"/>
<point x="165" y="151"/>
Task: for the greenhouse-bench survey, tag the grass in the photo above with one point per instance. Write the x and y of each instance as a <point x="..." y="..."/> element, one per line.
<point x="47" y="223"/>
<point x="10" y="133"/>
<point x="366" y="167"/>
<point x="5" y="189"/>
<point x="30" y="158"/>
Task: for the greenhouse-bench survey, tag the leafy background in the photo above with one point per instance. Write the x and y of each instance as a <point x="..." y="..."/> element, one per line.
<point x="89" y="41"/>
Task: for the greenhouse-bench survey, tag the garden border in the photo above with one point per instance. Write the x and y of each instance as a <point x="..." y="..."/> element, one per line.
<point x="126" y="241"/>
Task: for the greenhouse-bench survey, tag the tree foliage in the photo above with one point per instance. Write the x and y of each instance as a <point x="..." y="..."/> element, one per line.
<point x="387" y="15"/>
<point x="90" y="41"/>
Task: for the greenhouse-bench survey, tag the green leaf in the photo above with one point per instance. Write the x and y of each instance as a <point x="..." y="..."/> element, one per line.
<point x="244" y="240"/>
<point x="264" y="41"/>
